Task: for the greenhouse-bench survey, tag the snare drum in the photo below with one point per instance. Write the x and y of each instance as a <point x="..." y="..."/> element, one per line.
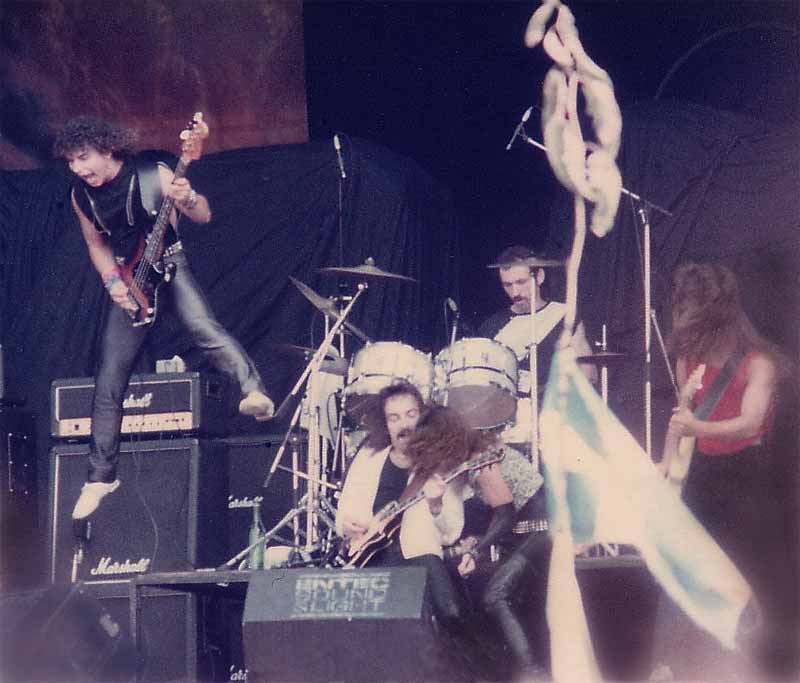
<point x="379" y="365"/>
<point x="478" y="378"/>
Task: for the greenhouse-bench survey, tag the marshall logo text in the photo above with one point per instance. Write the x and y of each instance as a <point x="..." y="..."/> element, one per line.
<point x="132" y="402"/>
<point x="107" y="567"/>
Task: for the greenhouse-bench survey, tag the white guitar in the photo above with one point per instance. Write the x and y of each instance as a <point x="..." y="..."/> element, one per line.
<point x="679" y="451"/>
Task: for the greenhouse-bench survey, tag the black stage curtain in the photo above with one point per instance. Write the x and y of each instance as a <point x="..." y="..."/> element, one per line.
<point x="275" y="215"/>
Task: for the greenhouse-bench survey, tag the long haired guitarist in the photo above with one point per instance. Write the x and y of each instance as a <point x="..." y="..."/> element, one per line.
<point x="728" y="373"/>
<point x="128" y="210"/>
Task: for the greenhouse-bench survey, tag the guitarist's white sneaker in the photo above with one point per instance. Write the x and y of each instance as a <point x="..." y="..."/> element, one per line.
<point x="91" y="495"/>
<point x="258" y="405"/>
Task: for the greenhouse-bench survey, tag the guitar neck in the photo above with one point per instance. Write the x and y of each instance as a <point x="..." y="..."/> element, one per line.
<point x="153" y="250"/>
<point x="416" y="498"/>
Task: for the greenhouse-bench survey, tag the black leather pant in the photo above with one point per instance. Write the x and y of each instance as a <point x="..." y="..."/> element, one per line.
<point x="530" y="558"/>
<point x="120" y="347"/>
<point x="446" y="601"/>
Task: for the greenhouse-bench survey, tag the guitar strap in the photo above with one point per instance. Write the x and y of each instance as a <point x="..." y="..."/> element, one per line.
<point x="149" y="187"/>
<point x="718" y="387"/>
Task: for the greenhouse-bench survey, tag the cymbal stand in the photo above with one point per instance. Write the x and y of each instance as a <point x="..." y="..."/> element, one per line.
<point x="311" y="500"/>
<point x="533" y="366"/>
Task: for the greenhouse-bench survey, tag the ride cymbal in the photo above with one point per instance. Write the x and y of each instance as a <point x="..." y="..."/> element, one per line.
<point x="368" y="270"/>
<point x="604" y="357"/>
<point x="531" y="262"/>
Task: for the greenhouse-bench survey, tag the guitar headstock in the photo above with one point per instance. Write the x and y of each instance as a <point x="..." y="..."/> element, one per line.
<point x="693" y="384"/>
<point x="192" y="138"/>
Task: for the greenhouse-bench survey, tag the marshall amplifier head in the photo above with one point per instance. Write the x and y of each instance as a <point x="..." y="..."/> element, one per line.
<point x="170" y="402"/>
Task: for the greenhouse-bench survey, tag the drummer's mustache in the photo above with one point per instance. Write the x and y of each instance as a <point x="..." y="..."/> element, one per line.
<point x="404" y="433"/>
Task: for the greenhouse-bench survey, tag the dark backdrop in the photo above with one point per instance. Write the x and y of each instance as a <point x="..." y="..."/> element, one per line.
<point x="443" y="84"/>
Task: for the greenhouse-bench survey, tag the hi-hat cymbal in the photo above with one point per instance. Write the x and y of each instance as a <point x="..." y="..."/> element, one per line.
<point x="368" y="270"/>
<point x="333" y="363"/>
<point x="531" y="262"/>
<point x="306" y="351"/>
<point x="604" y="357"/>
<point x="328" y="308"/>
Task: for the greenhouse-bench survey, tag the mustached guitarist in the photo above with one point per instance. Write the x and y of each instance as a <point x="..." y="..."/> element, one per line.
<point x="408" y="442"/>
<point x="118" y="197"/>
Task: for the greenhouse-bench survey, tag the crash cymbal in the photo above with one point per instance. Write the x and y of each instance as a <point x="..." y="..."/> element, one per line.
<point x="531" y="262"/>
<point x="368" y="270"/>
<point x="327" y="307"/>
<point x="603" y="357"/>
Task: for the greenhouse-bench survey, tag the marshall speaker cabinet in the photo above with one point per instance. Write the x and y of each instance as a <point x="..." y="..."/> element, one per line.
<point x="171" y="402"/>
<point x="167" y="515"/>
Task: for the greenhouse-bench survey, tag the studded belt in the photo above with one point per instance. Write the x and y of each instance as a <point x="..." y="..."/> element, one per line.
<point x="527" y="526"/>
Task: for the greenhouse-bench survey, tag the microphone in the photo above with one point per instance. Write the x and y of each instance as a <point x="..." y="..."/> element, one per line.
<point x="520" y="127"/>
<point x="453" y="306"/>
<point x="338" y="147"/>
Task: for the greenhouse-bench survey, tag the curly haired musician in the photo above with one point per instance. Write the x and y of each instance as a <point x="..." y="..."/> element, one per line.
<point x="412" y="444"/>
<point x="111" y="190"/>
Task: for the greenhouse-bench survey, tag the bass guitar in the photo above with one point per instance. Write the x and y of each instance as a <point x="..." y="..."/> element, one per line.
<point x="146" y="272"/>
<point x="679" y="452"/>
<point x="385" y="524"/>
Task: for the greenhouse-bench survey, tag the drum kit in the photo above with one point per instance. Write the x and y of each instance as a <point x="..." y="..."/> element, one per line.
<point x="477" y="377"/>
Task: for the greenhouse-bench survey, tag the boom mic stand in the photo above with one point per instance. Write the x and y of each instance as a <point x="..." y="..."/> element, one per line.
<point x="644" y="206"/>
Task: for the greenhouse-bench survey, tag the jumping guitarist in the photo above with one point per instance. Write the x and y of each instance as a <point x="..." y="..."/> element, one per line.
<point x="118" y="197"/>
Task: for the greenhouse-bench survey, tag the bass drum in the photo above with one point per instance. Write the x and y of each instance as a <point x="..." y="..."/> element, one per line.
<point x="478" y="378"/>
<point x="379" y="365"/>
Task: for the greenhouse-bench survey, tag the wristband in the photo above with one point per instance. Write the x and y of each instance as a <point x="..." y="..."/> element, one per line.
<point x="111" y="280"/>
<point x="191" y="202"/>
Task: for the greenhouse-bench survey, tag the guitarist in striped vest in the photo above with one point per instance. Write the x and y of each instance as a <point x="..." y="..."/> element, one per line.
<point x="121" y="201"/>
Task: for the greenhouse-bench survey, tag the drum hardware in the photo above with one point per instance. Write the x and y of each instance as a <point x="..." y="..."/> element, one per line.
<point x="328" y="307"/>
<point x="312" y="504"/>
<point x="368" y="269"/>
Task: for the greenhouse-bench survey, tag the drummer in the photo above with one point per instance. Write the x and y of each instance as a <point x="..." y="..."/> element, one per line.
<point x="512" y="326"/>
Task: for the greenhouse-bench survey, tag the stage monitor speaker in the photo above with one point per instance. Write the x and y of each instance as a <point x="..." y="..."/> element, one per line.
<point x="62" y="635"/>
<point x="167" y="515"/>
<point x="342" y="625"/>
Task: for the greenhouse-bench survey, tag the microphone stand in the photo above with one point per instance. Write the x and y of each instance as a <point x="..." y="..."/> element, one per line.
<point x="644" y="206"/>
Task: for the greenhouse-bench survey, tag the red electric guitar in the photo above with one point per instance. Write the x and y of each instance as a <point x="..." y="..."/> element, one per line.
<point x="146" y="272"/>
